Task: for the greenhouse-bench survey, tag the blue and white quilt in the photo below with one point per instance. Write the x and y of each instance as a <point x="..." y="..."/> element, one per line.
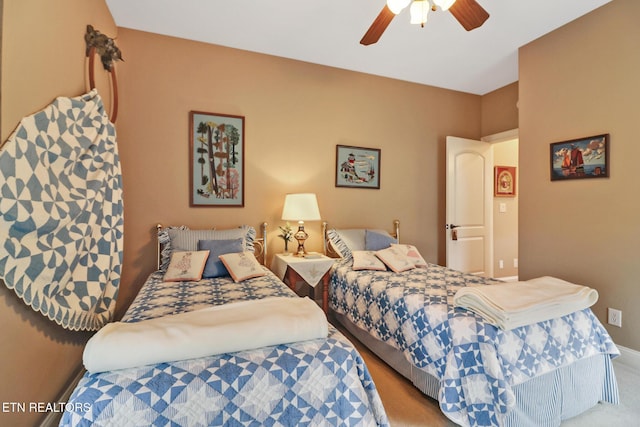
<point x="310" y="383"/>
<point x="476" y="363"/>
<point x="62" y="214"/>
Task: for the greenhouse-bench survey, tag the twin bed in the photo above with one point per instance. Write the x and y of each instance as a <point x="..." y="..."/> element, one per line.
<point x="537" y="374"/>
<point x="533" y="375"/>
<point x="321" y="381"/>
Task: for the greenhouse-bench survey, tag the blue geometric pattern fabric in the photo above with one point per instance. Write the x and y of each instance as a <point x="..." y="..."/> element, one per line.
<point x="61" y="213"/>
<point x="157" y="298"/>
<point x="476" y="363"/>
<point x="322" y="382"/>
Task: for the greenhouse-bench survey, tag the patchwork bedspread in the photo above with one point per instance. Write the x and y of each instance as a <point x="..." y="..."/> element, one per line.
<point x="62" y="213"/>
<point x="310" y="383"/>
<point x="477" y="364"/>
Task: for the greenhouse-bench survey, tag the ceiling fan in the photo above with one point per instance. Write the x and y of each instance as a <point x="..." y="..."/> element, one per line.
<point x="468" y="13"/>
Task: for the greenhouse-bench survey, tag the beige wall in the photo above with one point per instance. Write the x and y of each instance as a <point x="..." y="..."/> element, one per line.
<point x="43" y="53"/>
<point x="500" y="113"/>
<point x="499" y="110"/>
<point x="42" y="57"/>
<point x="295" y="113"/>
<point x="505" y="224"/>
<point x="578" y="81"/>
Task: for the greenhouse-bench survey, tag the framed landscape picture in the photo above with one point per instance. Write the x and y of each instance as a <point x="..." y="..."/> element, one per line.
<point x="216" y="166"/>
<point x="580" y="158"/>
<point x="357" y="167"/>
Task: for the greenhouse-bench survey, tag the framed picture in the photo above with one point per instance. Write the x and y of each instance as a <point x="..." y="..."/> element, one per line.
<point x="216" y="165"/>
<point x="357" y="167"/>
<point x="504" y="181"/>
<point x="580" y="158"/>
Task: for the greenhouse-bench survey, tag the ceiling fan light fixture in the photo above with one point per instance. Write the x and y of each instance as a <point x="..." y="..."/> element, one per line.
<point x="444" y="4"/>
<point x="419" y="11"/>
<point x="396" y="6"/>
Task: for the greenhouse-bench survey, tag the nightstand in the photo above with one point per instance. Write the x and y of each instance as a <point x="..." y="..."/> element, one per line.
<point x="312" y="271"/>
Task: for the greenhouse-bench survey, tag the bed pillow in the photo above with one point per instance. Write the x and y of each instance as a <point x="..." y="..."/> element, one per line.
<point x="186" y="266"/>
<point x="412" y="253"/>
<point x="345" y="241"/>
<point x="367" y="260"/>
<point x="338" y="245"/>
<point x="183" y="239"/>
<point x="353" y="238"/>
<point x="242" y="266"/>
<point x="395" y="259"/>
<point x="375" y="240"/>
<point x="214" y="267"/>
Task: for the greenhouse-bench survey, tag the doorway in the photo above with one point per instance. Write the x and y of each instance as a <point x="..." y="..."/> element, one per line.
<point x="484" y="243"/>
<point x="505" y="212"/>
<point x="469" y="206"/>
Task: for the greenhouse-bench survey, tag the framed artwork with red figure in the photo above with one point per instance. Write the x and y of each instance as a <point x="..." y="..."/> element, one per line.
<point x="580" y="158"/>
<point x="504" y="181"/>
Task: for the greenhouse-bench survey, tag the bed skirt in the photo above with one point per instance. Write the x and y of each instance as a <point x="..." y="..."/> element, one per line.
<point x="543" y="401"/>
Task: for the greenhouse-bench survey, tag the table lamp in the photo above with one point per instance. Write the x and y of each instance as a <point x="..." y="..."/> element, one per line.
<point x="301" y="207"/>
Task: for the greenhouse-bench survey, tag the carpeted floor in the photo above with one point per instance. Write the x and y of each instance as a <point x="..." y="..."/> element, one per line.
<point x="627" y="413"/>
<point x="406" y="406"/>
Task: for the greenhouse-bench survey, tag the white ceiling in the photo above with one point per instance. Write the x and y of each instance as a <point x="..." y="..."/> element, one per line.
<point x="328" y="32"/>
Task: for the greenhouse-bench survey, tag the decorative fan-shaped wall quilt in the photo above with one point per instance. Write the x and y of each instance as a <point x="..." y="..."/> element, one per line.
<point x="61" y="213"/>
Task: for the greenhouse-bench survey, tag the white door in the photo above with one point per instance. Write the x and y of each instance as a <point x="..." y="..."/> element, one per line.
<point x="469" y="206"/>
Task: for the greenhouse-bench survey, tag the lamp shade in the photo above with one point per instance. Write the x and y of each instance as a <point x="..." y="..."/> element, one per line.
<point x="419" y="11"/>
<point x="396" y="6"/>
<point x="301" y="207"/>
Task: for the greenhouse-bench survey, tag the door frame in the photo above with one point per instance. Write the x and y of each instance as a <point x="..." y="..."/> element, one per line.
<point x="509" y="135"/>
<point x="494" y="138"/>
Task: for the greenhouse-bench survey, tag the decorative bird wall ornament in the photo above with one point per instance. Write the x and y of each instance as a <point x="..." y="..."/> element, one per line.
<point x="105" y="47"/>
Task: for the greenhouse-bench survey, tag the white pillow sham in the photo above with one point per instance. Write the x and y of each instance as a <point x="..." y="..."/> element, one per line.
<point x="367" y="260"/>
<point x="186" y="266"/>
<point x="242" y="266"/>
<point x="412" y="253"/>
<point x="395" y="259"/>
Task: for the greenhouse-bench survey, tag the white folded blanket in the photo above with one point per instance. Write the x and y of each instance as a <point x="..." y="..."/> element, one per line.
<point x="221" y="329"/>
<point x="515" y="304"/>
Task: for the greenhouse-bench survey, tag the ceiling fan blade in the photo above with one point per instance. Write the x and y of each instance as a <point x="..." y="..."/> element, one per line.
<point x="469" y="13"/>
<point x="377" y="28"/>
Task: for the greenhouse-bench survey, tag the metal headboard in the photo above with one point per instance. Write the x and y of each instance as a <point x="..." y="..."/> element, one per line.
<point x="259" y="244"/>
<point x="328" y="249"/>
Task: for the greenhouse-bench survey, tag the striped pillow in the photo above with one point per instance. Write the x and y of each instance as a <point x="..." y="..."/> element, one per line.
<point x="183" y="239"/>
<point x="339" y="246"/>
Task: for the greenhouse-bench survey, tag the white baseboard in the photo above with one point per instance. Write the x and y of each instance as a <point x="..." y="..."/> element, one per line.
<point x="629" y="358"/>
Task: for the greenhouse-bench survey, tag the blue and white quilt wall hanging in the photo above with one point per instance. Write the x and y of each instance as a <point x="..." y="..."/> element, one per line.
<point x="61" y="212"/>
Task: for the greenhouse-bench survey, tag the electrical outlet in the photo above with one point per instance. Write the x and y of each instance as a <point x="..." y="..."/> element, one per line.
<point x="515" y="263"/>
<point x="501" y="263"/>
<point x="615" y="317"/>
